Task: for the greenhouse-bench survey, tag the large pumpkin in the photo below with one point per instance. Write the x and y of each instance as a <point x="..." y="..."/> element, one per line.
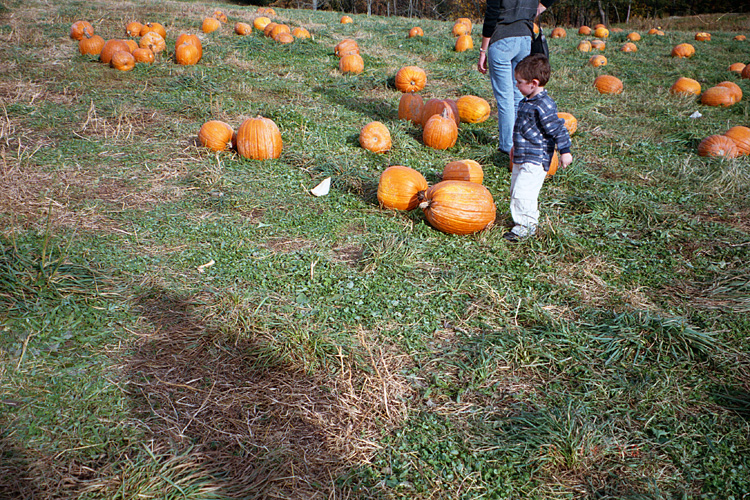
<point x="608" y="84"/>
<point x="460" y="29"/>
<point x="133" y="28"/>
<point x="375" y="137"/>
<point x="685" y="85"/>
<point x="463" y="170"/>
<point x="143" y="55"/>
<point x="259" y="139"/>
<point x="187" y="54"/>
<point x="400" y="188"/>
<point x="410" y="79"/>
<point x="216" y="135"/>
<point x="157" y="27"/>
<point x="300" y="32"/>
<point x="243" y="28"/>
<point x="79" y="29"/>
<point x="410" y="107"/>
<point x="190" y="40"/>
<point x="601" y="32"/>
<point x="741" y="137"/>
<point x="91" y="45"/>
<point x="598" y="45"/>
<point x="210" y="24"/>
<point x="458" y="207"/>
<point x="440" y="131"/>
<point x="472" y="109"/>
<point x="718" y="145"/>
<point x="717" y="96"/>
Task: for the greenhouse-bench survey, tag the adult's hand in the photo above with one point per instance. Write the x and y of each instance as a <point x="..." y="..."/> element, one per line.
<point x="482" y="65"/>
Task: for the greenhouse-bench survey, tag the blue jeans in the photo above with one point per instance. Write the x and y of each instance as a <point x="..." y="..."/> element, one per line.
<point x="502" y="58"/>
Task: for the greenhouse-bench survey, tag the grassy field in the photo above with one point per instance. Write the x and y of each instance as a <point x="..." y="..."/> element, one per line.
<point x="336" y="349"/>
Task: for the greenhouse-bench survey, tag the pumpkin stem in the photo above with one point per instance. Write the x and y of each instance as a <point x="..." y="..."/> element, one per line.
<point x="420" y="195"/>
<point x="424" y="204"/>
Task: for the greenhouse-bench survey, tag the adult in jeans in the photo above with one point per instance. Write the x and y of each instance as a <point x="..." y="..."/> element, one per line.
<point x="506" y="39"/>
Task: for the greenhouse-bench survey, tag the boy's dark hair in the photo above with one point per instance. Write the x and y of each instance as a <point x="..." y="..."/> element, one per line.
<point x="534" y="67"/>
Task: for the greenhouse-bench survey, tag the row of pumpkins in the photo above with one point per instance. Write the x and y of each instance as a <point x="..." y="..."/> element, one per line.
<point x="733" y="143"/>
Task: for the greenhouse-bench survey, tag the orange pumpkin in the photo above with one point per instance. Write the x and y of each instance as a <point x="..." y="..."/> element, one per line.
<point x="734" y="90"/>
<point x="220" y="16"/>
<point x="122" y="60"/>
<point x="400" y="188"/>
<point x="375" y="137"/>
<point x="352" y="63"/>
<point x="459" y="207"/>
<point x="655" y="31"/>
<point x="703" y="36"/>
<point x="410" y="107"/>
<point x="685" y="85"/>
<point x="718" y="145"/>
<point x="410" y="79"/>
<point x="741" y="137"/>
<point x="269" y="27"/>
<point x="745" y="73"/>
<point x="598" y="60"/>
<point x="110" y="47"/>
<point x="346" y="20"/>
<point x="300" y="32"/>
<point x="472" y="109"/>
<point x="440" y="131"/>
<point x="91" y="45"/>
<point x="598" y="45"/>
<point x="608" y="84"/>
<point x="346" y="47"/>
<point x="740" y="38"/>
<point x="278" y="29"/>
<point x="584" y="46"/>
<point x="584" y="30"/>
<point x="416" y="31"/>
<point x="142" y="55"/>
<point x="259" y="139"/>
<point x="156" y="27"/>
<point x="79" y="29"/>
<point x="463" y="170"/>
<point x="216" y="135"/>
<point x="187" y="54"/>
<point x="571" y="123"/>
<point x="133" y="28"/>
<point x="633" y="37"/>
<point x="629" y="47"/>
<point x="460" y="29"/>
<point x="210" y="24"/>
<point x="190" y="40"/>
<point x="683" y="50"/>
<point x="283" y="37"/>
<point x="464" y="43"/>
<point x="737" y="67"/>
<point x="260" y="23"/>
<point x="243" y="28"/>
<point x="717" y="96"/>
<point x="438" y="106"/>
<point x="558" y="33"/>
<point x="601" y="32"/>
<point x="153" y="41"/>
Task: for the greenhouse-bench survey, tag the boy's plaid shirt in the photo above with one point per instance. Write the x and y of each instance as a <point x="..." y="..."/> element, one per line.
<point x="538" y="130"/>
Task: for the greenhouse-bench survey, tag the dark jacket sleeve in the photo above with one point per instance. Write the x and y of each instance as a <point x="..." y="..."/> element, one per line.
<point x="504" y="11"/>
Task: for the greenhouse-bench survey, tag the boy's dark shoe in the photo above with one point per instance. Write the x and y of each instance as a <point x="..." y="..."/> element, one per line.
<point x="512" y="237"/>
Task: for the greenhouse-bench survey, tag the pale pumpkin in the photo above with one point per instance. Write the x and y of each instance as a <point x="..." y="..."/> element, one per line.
<point x="459" y="207"/>
<point x="400" y="188"/>
<point x="375" y="137"/>
<point x="472" y="109"/>
<point x="260" y="22"/>
<point x="216" y="135"/>
<point x="463" y="170"/>
<point x="410" y="79"/>
<point x="259" y="139"/>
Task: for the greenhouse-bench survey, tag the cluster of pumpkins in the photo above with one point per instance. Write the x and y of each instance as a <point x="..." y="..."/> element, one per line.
<point x="278" y="32"/>
<point x="124" y="53"/>
<point x="733" y="143"/>
<point x="257" y="138"/>
<point x="458" y="204"/>
<point x="461" y="30"/>
<point x="347" y="50"/>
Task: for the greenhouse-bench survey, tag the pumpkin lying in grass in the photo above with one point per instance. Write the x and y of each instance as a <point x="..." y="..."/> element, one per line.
<point x="683" y="50"/>
<point x="122" y="60"/>
<point x="717" y="96"/>
<point x="110" y="47"/>
<point x="558" y="32"/>
<point x="634" y="37"/>
<point x="464" y="43"/>
<point x="216" y="135"/>
<point x="598" y="60"/>
<point x="718" y="145"/>
<point x="734" y="90"/>
<point x="410" y="79"/>
<point x="571" y="123"/>
<point x="400" y="188"/>
<point x="352" y="63"/>
<point x="91" y="45"/>
<point x="437" y="106"/>
<point x="410" y="107"/>
<point x="458" y="207"/>
<point x="259" y="139"/>
<point x="415" y="31"/>
<point x="210" y="24"/>
<point x="741" y="137"/>
<point x="260" y="22"/>
<point x="608" y="84"/>
<point x="80" y="29"/>
<point x="685" y="85"/>
<point x="144" y="55"/>
<point x="346" y="20"/>
<point x="584" y="30"/>
<point x="473" y="109"/>
<point x="133" y="28"/>
<point x="440" y="131"/>
<point x="346" y="47"/>
<point x="629" y="47"/>
<point x="375" y="137"/>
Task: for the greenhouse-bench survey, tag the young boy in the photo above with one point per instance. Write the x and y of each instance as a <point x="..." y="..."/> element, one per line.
<point x="537" y="131"/>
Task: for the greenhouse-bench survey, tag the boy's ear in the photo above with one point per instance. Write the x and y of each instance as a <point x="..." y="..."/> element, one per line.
<point x="535" y="81"/>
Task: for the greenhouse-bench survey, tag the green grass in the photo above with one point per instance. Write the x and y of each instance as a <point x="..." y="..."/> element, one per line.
<point x="336" y="349"/>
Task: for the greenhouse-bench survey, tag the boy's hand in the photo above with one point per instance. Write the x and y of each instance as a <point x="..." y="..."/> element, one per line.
<point x="566" y="159"/>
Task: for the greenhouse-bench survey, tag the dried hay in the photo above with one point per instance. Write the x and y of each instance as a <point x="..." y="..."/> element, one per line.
<point x="267" y="428"/>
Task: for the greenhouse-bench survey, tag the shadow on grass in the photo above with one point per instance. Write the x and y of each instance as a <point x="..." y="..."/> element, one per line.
<point x="16" y="481"/>
<point x="262" y="427"/>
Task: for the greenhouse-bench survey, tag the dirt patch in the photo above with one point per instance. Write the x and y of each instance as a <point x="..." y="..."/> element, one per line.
<point x="349" y="254"/>
<point x="287" y="245"/>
